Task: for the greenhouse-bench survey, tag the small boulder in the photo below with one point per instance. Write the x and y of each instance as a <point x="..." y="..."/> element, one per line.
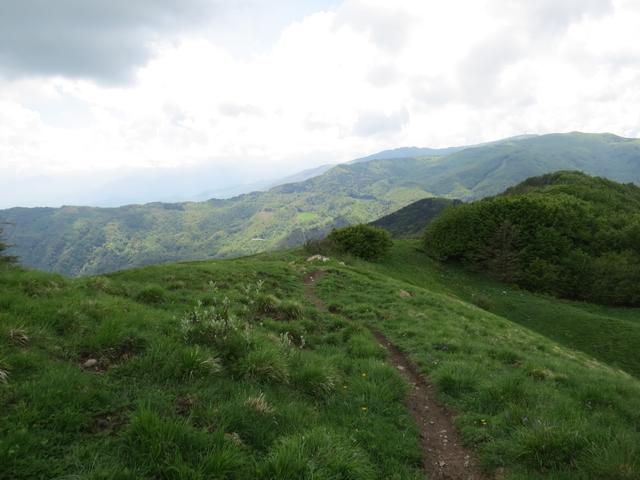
<point x="317" y="258"/>
<point x="404" y="294"/>
<point x="92" y="362"/>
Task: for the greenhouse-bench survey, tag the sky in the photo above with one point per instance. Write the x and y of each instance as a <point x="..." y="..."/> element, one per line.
<point x="107" y="103"/>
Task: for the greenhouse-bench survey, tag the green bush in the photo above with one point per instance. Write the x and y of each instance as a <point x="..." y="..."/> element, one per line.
<point x="151" y="295"/>
<point x="363" y="241"/>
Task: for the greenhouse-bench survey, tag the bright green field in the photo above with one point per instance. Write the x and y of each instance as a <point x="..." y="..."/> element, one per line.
<point x="273" y="389"/>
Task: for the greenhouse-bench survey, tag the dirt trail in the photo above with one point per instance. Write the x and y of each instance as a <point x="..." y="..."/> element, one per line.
<point x="443" y="456"/>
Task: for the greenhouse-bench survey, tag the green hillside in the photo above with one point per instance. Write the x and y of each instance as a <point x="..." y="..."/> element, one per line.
<point x="564" y="233"/>
<point x="84" y="241"/>
<point x="410" y="221"/>
<point x="151" y="373"/>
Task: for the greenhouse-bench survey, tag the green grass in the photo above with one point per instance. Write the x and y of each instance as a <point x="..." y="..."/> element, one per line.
<point x="188" y="385"/>
<point x="527" y="404"/>
<point x="610" y="334"/>
<point x="182" y="391"/>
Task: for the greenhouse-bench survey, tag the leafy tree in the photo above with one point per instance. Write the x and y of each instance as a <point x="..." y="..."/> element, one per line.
<point x="4" y="258"/>
<point x="501" y="255"/>
<point x="363" y="241"/>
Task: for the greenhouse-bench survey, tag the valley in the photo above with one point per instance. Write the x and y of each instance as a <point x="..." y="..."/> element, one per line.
<point x="86" y="241"/>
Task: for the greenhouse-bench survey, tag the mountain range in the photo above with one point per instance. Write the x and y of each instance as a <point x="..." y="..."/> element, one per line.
<point x="87" y="240"/>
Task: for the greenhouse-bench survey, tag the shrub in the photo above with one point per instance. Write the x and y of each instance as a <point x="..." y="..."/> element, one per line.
<point x="151" y="295"/>
<point x="363" y="241"/>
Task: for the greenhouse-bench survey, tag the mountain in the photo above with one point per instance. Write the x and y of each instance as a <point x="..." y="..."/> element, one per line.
<point x="233" y="191"/>
<point x="407" y="152"/>
<point x="84" y="241"/>
<point x="272" y="367"/>
<point x="410" y="221"/>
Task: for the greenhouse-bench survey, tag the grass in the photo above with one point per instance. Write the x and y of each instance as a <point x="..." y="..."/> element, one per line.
<point x="185" y="387"/>
<point x="530" y="407"/>
<point x="222" y="369"/>
<point x="610" y="334"/>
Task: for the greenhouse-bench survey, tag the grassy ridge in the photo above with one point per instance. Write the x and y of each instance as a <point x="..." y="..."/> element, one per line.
<point x="189" y="386"/>
<point x="275" y="391"/>
<point x="610" y="334"/>
<point x="533" y="409"/>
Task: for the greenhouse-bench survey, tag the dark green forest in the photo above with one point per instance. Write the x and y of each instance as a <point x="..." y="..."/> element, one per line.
<point x="565" y="233"/>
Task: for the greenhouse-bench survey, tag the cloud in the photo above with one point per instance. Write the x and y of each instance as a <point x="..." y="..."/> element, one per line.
<point x="326" y="83"/>
<point x="388" y="27"/>
<point x="382" y="75"/>
<point x="380" y="123"/>
<point x="480" y="71"/>
<point x="233" y="109"/>
<point x="93" y="39"/>
<point x="550" y="17"/>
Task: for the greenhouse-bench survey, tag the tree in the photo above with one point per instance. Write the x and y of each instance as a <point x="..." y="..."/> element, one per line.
<point x="363" y="241"/>
<point x="501" y="255"/>
<point x="4" y="258"/>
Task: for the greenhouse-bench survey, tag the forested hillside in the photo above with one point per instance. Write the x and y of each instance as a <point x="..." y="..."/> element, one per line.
<point x="82" y="240"/>
<point x="410" y="221"/>
<point x="564" y="233"/>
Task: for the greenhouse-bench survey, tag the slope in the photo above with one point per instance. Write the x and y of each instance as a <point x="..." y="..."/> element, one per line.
<point x="151" y="373"/>
<point x="410" y="221"/>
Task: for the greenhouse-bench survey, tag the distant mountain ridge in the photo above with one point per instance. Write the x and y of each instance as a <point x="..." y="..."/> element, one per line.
<point x="85" y="240"/>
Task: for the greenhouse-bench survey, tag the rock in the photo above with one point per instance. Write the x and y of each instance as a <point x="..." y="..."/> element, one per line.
<point x="320" y="258"/>
<point x="342" y="264"/>
<point x="404" y="294"/>
<point x="92" y="362"/>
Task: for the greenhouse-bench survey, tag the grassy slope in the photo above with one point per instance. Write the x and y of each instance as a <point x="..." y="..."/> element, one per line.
<point x="85" y="241"/>
<point x="530" y="406"/>
<point x="162" y="408"/>
<point x="254" y="405"/>
<point x="609" y="334"/>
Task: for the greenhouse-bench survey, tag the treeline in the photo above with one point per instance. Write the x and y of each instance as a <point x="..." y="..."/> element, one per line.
<point x="565" y="233"/>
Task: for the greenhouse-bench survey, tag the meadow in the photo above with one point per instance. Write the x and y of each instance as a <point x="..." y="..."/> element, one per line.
<point x="224" y="369"/>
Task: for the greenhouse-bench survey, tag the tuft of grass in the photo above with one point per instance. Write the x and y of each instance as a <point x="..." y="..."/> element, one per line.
<point x="315" y="376"/>
<point x="317" y="454"/>
<point x="264" y="363"/>
<point x="291" y="310"/>
<point x="259" y="404"/>
<point x="4" y="371"/>
<point x="19" y="337"/>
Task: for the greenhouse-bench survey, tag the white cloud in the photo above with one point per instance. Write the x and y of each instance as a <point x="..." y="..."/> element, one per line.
<point x="335" y="84"/>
